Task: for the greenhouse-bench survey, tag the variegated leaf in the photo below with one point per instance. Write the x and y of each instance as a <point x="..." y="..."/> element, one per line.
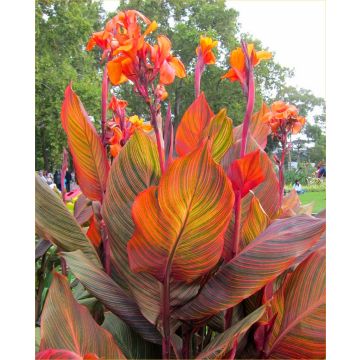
<point x="65" y="324"/>
<point x="89" y="156"/>
<point x="265" y="258"/>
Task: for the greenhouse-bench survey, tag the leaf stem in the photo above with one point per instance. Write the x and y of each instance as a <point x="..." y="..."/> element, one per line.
<point x="237" y="225"/>
<point x="199" y="68"/>
<point x="154" y="124"/>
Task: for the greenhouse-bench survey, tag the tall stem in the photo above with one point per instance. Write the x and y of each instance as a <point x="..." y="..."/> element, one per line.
<point x="165" y="305"/>
<point x="197" y="78"/>
<point x="237" y="225"/>
<point x="104" y="96"/>
<point x="281" y="172"/>
<point x="248" y="113"/>
<point x="158" y="138"/>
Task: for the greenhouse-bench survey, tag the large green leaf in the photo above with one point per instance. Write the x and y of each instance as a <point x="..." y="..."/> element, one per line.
<point x="299" y="329"/>
<point x="56" y="224"/>
<point x="223" y="342"/>
<point x="89" y="156"/>
<point x="65" y="324"/>
<point x="100" y="285"/>
<point x="134" y="170"/>
<point x="265" y="258"/>
<point x="133" y="345"/>
<point x="180" y="224"/>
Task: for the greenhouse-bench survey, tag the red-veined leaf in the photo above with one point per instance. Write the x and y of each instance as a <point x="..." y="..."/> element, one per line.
<point x="220" y="135"/>
<point x="58" y="354"/>
<point x="299" y="331"/>
<point x="100" y="285"/>
<point x="89" y="156"/>
<point x="264" y="259"/>
<point x="223" y="342"/>
<point x="258" y="130"/>
<point x="82" y="209"/>
<point x="181" y="223"/>
<point x="132" y="345"/>
<point x="65" y="324"/>
<point x="134" y="170"/>
<point x="56" y="224"/>
<point x="190" y="131"/>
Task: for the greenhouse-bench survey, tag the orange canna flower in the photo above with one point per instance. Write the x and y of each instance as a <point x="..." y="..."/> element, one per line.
<point x="114" y="103"/>
<point x="138" y="123"/>
<point x="205" y="49"/>
<point x="114" y="142"/>
<point x="170" y="66"/>
<point x="284" y="117"/>
<point x="238" y="62"/>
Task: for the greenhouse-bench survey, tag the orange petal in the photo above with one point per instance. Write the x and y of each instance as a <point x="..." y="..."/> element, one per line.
<point x="115" y="72"/>
<point x="178" y="66"/>
<point x="167" y="73"/>
<point x="231" y="75"/>
<point x="209" y="58"/>
<point x="237" y="59"/>
<point x="164" y="46"/>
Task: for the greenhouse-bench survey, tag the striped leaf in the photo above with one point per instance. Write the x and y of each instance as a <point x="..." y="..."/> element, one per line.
<point x="299" y="329"/>
<point x="220" y="134"/>
<point x="180" y="224"/>
<point x="133" y="345"/>
<point x="59" y="354"/>
<point x="199" y="124"/>
<point x="134" y="170"/>
<point x="65" y="324"/>
<point x="270" y="254"/>
<point x="83" y="209"/>
<point x="223" y="342"/>
<point x="100" y="285"/>
<point x="192" y="126"/>
<point x="89" y="156"/>
<point x="258" y="130"/>
<point x="56" y="224"/>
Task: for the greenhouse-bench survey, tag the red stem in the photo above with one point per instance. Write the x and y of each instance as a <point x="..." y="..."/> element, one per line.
<point x="104" y="96"/>
<point x="237" y="225"/>
<point x="165" y="306"/>
<point x="248" y="113"/>
<point x="199" y="68"/>
<point x="281" y="172"/>
<point x="158" y="137"/>
<point x="106" y="247"/>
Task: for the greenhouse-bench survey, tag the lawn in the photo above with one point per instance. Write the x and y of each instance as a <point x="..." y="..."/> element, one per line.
<point x="318" y="197"/>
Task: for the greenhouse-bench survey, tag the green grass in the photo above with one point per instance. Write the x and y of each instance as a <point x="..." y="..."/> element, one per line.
<point x="318" y="197"/>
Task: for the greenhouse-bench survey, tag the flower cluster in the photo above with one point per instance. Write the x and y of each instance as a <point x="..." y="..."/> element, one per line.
<point x="121" y="127"/>
<point x="131" y="57"/>
<point x="283" y="119"/>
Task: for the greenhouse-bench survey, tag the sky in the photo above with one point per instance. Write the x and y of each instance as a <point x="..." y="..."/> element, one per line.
<point x="293" y="29"/>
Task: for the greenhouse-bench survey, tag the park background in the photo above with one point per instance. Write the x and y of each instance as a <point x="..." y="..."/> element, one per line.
<point x="18" y="114"/>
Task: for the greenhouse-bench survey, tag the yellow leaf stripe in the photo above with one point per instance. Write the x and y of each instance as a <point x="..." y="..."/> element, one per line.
<point x="91" y="164"/>
<point x="57" y="225"/>
<point x="181" y="223"/>
<point x="65" y="324"/>
<point x="299" y="329"/>
<point x="265" y="258"/>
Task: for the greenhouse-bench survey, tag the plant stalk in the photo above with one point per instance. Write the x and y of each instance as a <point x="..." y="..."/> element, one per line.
<point x="166" y="315"/>
<point x="248" y="113"/>
<point x="104" y="96"/>
<point x="237" y="225"/>
<point x="197" y="76"/>
<point x="281" y="172"/>
<point x="158" y="138"/>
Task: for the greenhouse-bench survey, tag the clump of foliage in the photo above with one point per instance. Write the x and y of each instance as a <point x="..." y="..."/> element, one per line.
<point x="190" y="249"/>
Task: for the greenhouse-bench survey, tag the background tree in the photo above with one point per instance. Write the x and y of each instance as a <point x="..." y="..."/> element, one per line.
<point x="62" y="28"/>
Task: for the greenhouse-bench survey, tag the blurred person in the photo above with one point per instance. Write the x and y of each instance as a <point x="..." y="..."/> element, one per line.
<point x="67" y="180"/>
<point x="57" y="179"/>
<point x="298" y="188"/>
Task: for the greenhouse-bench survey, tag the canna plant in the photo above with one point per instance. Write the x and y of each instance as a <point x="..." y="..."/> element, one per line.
<point x="183" y="238"/>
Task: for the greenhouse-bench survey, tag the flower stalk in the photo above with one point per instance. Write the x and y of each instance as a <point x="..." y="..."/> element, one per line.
<point x="104" y="97"/>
